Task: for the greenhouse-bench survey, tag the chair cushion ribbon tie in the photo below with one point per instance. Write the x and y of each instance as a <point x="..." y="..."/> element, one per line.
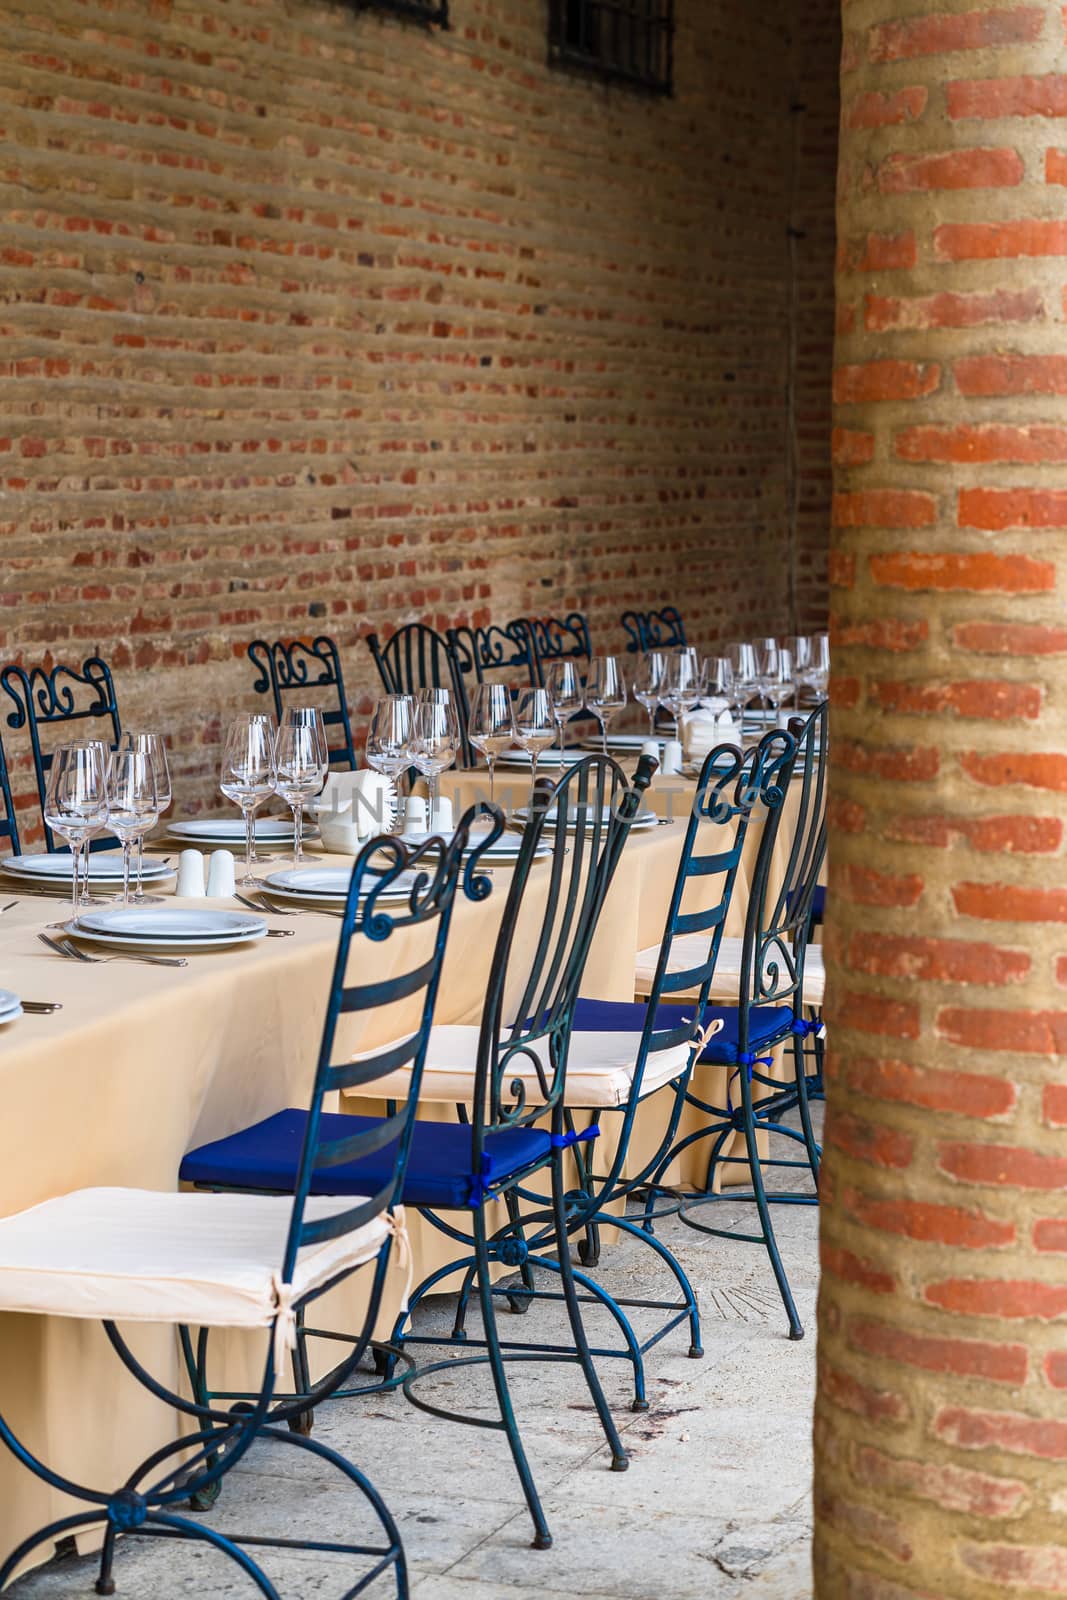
<point x="803" y="1027"/>
<point x="563" y="1141"/>
<point x="285" y="1321"/>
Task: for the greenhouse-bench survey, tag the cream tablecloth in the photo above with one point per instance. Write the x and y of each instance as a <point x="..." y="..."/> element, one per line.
<point x="144" y="1063"/>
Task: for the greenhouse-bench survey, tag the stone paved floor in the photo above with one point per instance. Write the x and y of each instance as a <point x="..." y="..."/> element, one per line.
<point x="715" y="1505"/>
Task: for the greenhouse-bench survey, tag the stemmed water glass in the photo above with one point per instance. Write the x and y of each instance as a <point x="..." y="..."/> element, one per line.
<point x="820" y="667"/>
<point x="435" y="741"/>
<point x="535" y="716"/>
<point x="133" y="808"/>
<point x="647" y="682"/>
<point x="76" y="805"/>
<point x="746" y="675"/>
<point x="151" y="745"/>
<point x="389" y="736"/>
<point x="490" y="726"/>
<point x="564" y="685"/>
<point x="720" y="683"/>
<point x="605" y="692"/>
<point x="301" y="763"/>
<point x="248" y="774"/>
<point x="681" y="682"/>
<point x="799" y="647"/>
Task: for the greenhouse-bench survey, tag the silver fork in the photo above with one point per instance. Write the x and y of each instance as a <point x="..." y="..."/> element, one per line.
<point x="255" y="905"/>
<point x="64" y="947"/>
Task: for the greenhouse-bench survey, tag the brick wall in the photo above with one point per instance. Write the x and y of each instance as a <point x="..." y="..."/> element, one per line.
<point x="313" y="321"/>
<point x="942" y="1414"/>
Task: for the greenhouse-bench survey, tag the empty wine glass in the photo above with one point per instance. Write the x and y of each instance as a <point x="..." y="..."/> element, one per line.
<point x="799" y="647"/>
<point x="605" y="692"/>
<point x="434" y="740"/>
<point x="720" y="683"/>
<point x="389" y="736"/>
<point x="490" y="726"/>
<point x="75" y="804"/>
<point x="646" y="683"/>
<point x="301" y="763"/>
<point x="743" y="660"/>
<point x="247" y="775"/>
<point x="820" y="664"/>
<point x="681" y="682"/>
<point x="564" y="684"/>
<point x="535" y="716"/>
<point x="152" y="745"/>
<point x="132" y="805"/>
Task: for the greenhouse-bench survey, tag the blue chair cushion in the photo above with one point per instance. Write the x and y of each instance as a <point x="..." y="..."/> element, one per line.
<point x="818" y="903"/>
<point x="266" y="1156"/>
<point x="767" y="1025"/>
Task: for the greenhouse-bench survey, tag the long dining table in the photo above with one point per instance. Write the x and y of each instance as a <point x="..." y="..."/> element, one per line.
<point x="143" y="1063"/>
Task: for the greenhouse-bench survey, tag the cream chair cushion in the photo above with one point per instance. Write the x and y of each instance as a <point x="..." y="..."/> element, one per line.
<point x="600" y="1069"/>
<point x="690" y="949"/>
<point x="134" y="1255"/>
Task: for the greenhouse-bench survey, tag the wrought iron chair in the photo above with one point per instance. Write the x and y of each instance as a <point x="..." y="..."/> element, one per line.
<point x="9" y="828"/>
<point x="484" y="651"/>
<point x="294" y="668"/>
<point x="510" y="1074"/>
<point x="622" y="1052"/>
<point x="57" y="697"/>
<point x="653" y="630"/>
<point x="249" y="1260"/>
<point x="775" y="1000"/>
<point x="418" y="657"/>
<point x="558" y="639"/>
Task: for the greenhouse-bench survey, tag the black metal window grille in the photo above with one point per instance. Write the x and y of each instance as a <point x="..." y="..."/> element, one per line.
<point x="631" y="41"/>
<point x="432" y="13"/>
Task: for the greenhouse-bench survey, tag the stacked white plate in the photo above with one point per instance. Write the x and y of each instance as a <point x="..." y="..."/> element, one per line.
<point x="643" y="820"/>
<point x="622" y="744"/>
<point x="506" y="848"/>
<point x="271" y="833"/>
<point x="10" y="1006"/>
<point x="553" y="757"/>
<point x="105" y="869"/>
<point x="328" y="886"/>
<point x="167" y="928"/>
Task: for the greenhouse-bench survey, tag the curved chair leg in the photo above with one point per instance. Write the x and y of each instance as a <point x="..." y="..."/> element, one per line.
<point x="45" y="1535"/>
<point x="324" y="1453"/>
<point x="459" y="1322"/>
<point x="542" y="1537"/>
<point x="633" y="1348"/>
<point x="519" y="1299"/>
<point x="305" y="1420"/>
<point x="759" y="1192"/>
<point x="619" y="1459"/>
<point x="197" y="1530"/>
<point x="810" y="1142"/>
<point x="105" y="1583"/>
<point x="669" y="1259"/>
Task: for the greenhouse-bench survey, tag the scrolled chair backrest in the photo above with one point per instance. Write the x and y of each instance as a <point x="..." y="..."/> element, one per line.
<point x="653" y="630"/>
<point x="585" y="817"/>
<point x="8" y="824"/>
<point x="59" y="696"/>
<point x="785" y="874"/>
<point x="429" y="878"/>
<point x="417" y="657"/>
<point x="558" y="639"/>
<point x="287" y="667"/>
<point x="495" y="649"/>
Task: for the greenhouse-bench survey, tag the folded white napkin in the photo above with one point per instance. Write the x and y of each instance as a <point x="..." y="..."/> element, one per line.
<point x="364" y="801"/>
<point x="708" y="724"/>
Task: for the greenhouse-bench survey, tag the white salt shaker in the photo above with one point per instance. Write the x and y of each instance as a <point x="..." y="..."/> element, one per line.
<point x="190" y="885"/>
<point x="672" y="757"/>
<point x="441" y="821"/>
<point x="416" y="814"/>
<point x="221" y="876"/>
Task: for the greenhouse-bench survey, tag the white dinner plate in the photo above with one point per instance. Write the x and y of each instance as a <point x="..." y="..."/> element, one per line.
<point x="330" y="883"/>
<point x="552" y="757"/>
<point x="644" y="819"/>
<point x="165" y="925"/>
<point x="231" y="830"/>
<point x="176" y="946"/>
<point x="103" y="867"/>
<point x="10" y="1006"/>
<point x="507" y="844"/>
<point x="623" y="742"/>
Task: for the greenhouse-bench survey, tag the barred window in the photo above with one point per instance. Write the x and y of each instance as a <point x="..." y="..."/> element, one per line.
<point x="433" y="13"/>
<point x="630" y="41"/>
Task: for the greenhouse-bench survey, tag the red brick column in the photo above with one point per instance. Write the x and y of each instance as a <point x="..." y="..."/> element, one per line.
<point x="942" y="1412"/>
